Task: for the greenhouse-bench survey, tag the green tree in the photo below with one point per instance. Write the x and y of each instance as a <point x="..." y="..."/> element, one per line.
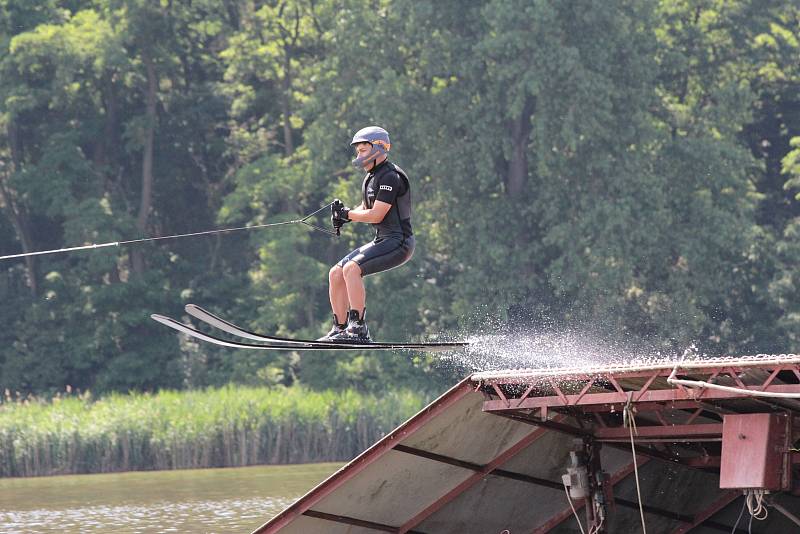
<point x="623" y="167"/>
<point x="784" y="288"/>
<point x="98" y="70"/>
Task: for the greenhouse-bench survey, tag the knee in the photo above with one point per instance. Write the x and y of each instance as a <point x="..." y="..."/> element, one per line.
<point x="351" y="270"/>
<point x="335" y="275"/>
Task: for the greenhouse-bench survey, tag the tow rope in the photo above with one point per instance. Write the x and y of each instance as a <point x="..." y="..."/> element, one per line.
<point x="304" y="221"/>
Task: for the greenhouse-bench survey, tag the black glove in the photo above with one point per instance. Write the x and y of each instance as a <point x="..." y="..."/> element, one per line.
<point x="339" y="214"/>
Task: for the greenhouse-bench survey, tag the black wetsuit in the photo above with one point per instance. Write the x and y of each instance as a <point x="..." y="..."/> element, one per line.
<point x="394" y="239"/>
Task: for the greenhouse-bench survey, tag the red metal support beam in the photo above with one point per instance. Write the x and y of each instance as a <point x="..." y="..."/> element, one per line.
<point x="619" y="400"/>
<point x="659" y="406"/>
<point x="477" y="467"/>
<point x="708" y="368"/>
<point x="439" y="503"/>
<point x="770" y="379"/>
<point x="367" y="458"/>
<point x="719" y="503"/>
<point x="615" y="442"/>
<point x="645" y="387"/>
<point x="704" y="430"/>
<point x="703" y="462"/>
<point x="350" y="521"/>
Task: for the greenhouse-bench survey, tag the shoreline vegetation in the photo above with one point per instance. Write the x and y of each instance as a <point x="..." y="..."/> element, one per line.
<point x="214" y="427"/>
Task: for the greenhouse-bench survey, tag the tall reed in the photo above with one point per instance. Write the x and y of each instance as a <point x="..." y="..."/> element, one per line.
<point x="220" y="427"/>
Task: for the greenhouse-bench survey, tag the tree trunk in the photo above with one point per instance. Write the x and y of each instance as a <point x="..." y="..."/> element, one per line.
<point x="145" y="205"/>
<point x="104" y="149"/>
<point x="20" y="221"/>
<point x="19" y="215"/>
<point x="521" y="129"/>
<point x="234" y="17"/>
<point x="286" y="105"/>
<point x="108" y="153"/>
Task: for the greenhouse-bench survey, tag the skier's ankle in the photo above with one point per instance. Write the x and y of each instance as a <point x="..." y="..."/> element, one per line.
<point x="337" y="322"/>
<point x="355" y="316"/>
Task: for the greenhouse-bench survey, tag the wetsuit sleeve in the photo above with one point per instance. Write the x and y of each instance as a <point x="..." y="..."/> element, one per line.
<point x="389" y="187"/>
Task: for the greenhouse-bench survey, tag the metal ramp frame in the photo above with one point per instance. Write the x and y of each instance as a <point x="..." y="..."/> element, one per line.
<point x="488" y="455"/>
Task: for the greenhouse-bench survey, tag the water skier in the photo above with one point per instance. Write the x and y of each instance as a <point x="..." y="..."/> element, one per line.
<point x="386" y="204"/>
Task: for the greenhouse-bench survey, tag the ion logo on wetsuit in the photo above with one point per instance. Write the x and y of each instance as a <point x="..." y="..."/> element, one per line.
<point x="394" y="240"/>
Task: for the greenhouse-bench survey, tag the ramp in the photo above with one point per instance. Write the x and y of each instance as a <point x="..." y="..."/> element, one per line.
<point x="490" y="454"/>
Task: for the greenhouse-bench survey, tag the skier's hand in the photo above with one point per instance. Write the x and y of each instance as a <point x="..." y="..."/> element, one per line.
<point x="339" y="214"/>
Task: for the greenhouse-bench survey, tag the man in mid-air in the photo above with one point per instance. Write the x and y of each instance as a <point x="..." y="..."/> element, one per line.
<point x="386" y="204"/>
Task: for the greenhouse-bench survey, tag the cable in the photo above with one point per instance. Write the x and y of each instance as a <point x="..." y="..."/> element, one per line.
<point x="755" y="504"/>
<point x="741" y="513"/>
<point x="629" y="420"/>
<point x="595" y="530"/>
<point x="569" y="499"/>
<point x="304" y="221"/>
<point x="702" y="384"/>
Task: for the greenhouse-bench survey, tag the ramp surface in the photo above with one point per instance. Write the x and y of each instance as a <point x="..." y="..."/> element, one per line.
<point x="488" y="455"/>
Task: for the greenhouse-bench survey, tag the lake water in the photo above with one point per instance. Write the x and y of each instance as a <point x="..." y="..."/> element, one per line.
<point x="202" y="500"/>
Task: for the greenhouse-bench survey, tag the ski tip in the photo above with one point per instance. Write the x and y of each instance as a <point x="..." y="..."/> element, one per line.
<point x="190" y="307"/>
<point x="161" y="318"/>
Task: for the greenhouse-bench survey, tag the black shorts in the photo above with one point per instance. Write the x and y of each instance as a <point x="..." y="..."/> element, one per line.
<point x="381" y="255"/>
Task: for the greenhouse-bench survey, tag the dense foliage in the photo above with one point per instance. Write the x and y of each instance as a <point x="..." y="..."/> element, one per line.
<point x="625" y="167"/>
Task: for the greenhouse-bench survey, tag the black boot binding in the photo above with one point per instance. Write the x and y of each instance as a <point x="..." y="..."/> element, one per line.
<point x="356" y="331"/>
<point x="337" y="330"/>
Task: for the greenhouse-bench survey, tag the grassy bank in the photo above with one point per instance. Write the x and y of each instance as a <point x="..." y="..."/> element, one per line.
<point x="231" y="426"/>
